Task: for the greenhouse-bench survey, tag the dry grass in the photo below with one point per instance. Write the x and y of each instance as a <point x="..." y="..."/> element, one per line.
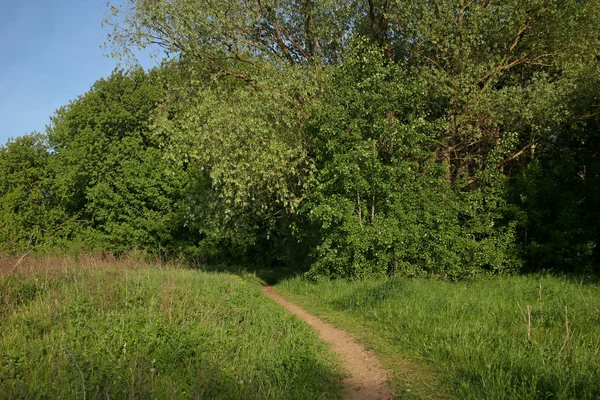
<point x="39" y="263"/>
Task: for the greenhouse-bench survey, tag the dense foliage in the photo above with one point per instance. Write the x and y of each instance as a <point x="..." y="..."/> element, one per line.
<point x="346" y="138"/>
<point x="98" y="179"/>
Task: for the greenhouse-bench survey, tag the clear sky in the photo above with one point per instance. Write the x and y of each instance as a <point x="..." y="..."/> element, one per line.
<point x="49" y="54"/>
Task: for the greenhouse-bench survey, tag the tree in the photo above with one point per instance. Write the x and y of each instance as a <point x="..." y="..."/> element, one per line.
<point x="29" y="210"/>
<point x="381" y="203"/>
<point x="559" y="192"/>
<point x="389" y="135"/>
<point x="111" y="174"/>
<point x="234" y="34"/>
<point x="498" y="73"/>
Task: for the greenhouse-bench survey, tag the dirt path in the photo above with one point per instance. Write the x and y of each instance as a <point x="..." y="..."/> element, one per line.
<point x="368" y="379"/>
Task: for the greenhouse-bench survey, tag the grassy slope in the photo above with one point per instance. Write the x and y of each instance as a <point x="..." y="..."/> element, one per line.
<point x="154" y="333"/>
<point x="471" y="341"/>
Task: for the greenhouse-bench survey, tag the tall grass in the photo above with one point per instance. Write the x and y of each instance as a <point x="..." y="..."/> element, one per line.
<point x="531" y="337"/>
<point x="134" y="331"/>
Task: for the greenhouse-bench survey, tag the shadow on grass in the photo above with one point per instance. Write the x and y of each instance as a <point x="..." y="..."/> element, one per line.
<point x="262" y="275"/>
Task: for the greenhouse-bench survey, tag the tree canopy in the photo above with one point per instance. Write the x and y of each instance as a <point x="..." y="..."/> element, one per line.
<point x="345" y="137"/>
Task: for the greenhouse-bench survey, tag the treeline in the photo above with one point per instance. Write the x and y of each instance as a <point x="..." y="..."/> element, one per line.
<point x="344" y="138"/>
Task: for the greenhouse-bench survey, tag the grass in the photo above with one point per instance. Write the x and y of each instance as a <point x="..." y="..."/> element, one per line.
<point x="528" y="337"/>
<point x="102" y="329"/>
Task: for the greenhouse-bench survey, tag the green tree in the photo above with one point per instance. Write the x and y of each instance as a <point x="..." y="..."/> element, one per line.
<point x="29" y="212"/>
<point x="385" y="135"/>
<point x="111" y="174"/>
<point x="559" y="192"/>
<point x="230" y="35"/>
<point x="381" y="203"/>
<point x="498" y="73"/>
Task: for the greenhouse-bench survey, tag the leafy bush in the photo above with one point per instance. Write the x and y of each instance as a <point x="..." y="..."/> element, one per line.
<point x="381" y="202"/>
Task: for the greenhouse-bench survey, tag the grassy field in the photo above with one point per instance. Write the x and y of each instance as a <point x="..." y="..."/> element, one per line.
<point x="133" y="331"/>
<point x="531" y="337"/>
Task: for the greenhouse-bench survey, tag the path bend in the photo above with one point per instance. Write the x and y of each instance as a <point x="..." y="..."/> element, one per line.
<point x="368" y="380"/>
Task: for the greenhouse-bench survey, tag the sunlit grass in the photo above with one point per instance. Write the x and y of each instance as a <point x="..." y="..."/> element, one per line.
<point x="532" y="337"/>
<point x="143" y="332"/>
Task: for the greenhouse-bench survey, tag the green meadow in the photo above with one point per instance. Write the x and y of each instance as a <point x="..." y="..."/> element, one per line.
<point x="423" y="174"/>
<point x="525" y="337"/>
<point x="147" y="332"/>
<point x="98" y="328"/>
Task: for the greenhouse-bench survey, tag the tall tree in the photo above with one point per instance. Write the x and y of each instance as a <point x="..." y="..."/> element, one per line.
<point x="231" y="32"/>
<point x="29" y="211"/>
<point x="111" y="171"/>
<point x="499" y="73"/>
<point x="261" y="106"/>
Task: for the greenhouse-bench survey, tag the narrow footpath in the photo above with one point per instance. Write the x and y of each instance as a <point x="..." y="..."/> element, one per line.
<point x="368" y="380"/>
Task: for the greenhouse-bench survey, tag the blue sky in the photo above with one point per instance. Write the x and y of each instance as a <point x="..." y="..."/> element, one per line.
<point x="50" y="54"/>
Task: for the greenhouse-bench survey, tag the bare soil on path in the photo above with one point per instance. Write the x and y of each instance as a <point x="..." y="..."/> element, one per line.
<point x="368" y="380"/>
